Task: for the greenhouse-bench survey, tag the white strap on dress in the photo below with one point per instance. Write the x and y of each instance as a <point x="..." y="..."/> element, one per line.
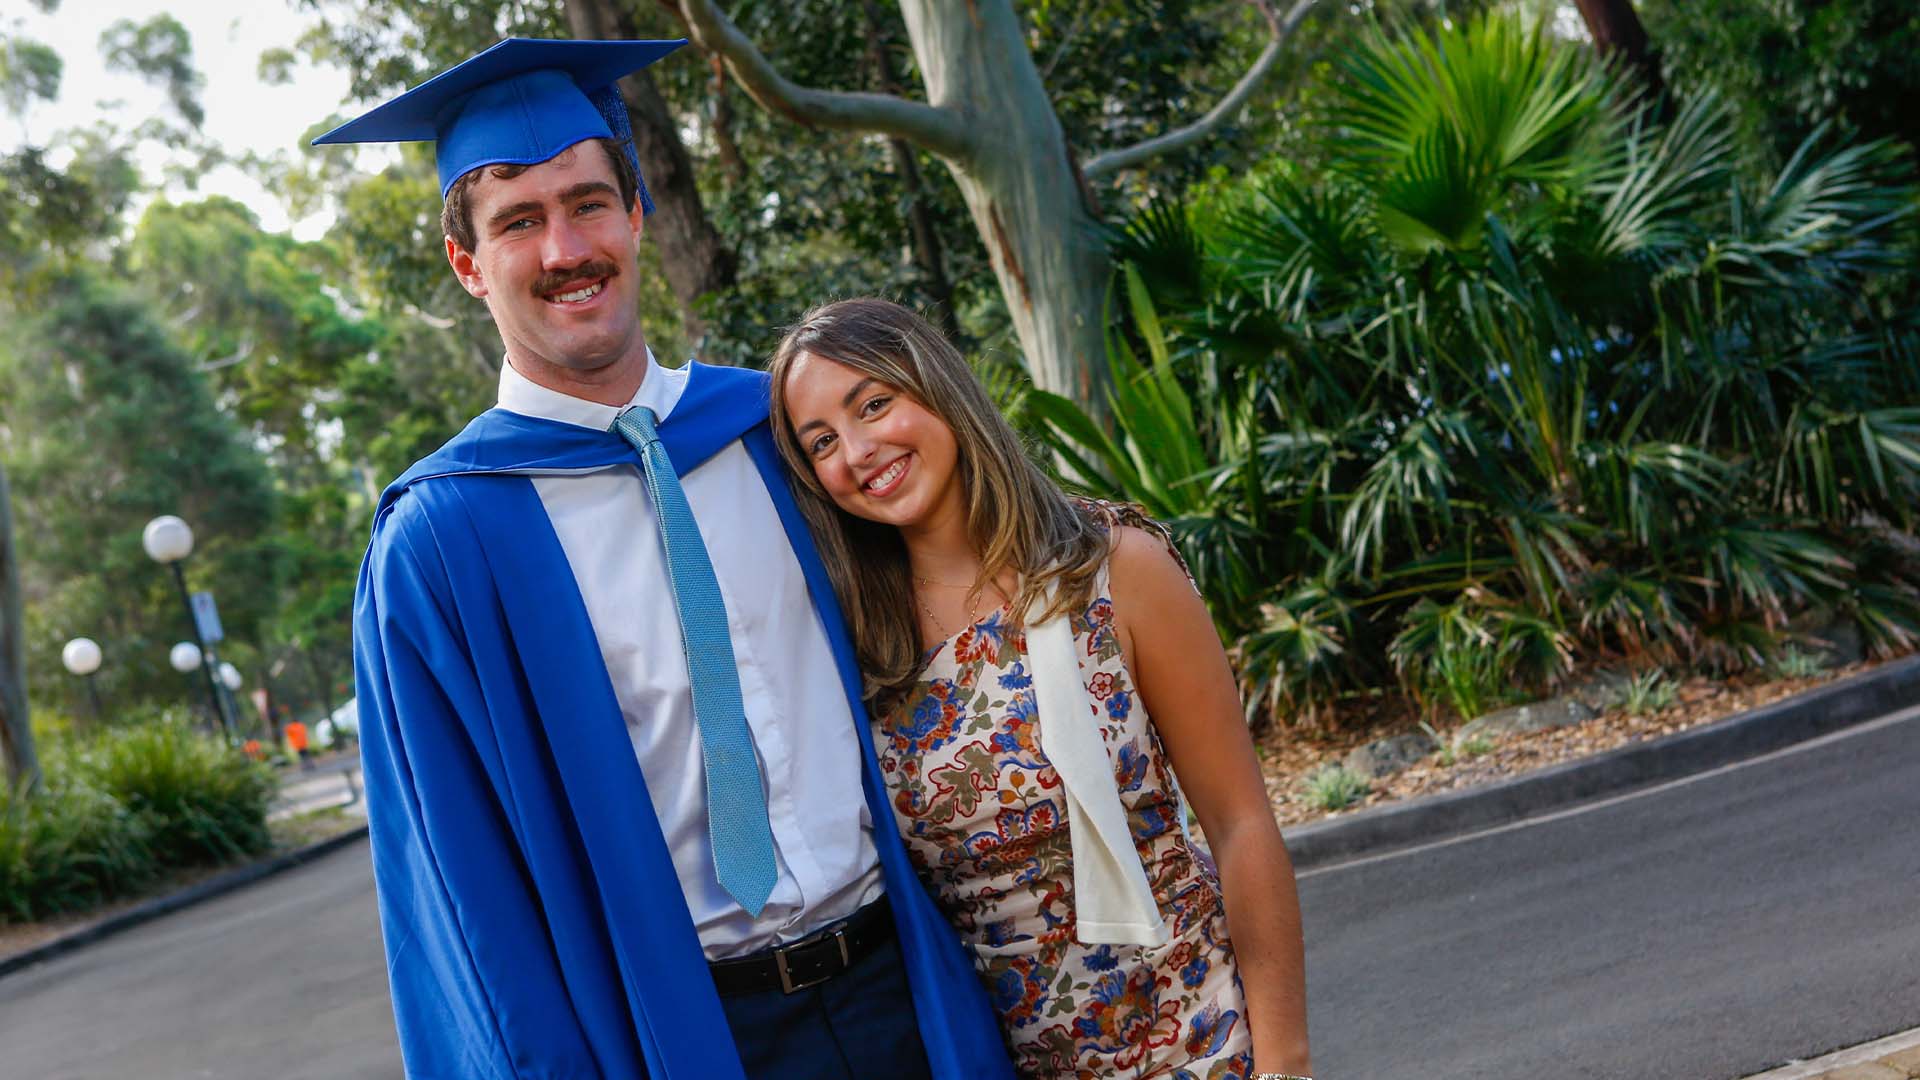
<point x="1113" y="903"/>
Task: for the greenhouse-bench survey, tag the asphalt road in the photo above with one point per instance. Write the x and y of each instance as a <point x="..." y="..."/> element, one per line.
<point x="280" y="981"/>
<point x="1703" y="930"/>
<point x="1708" y="929"/>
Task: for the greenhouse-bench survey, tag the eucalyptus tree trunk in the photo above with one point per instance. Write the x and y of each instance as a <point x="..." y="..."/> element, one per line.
<point x="988" y="118"/>
<point x="928" y="254"/>
<point x="1022" y="189"/>
<point x="693" y="256"/>
<point x="16" y="735"/>
<point x="1618" y="34"/>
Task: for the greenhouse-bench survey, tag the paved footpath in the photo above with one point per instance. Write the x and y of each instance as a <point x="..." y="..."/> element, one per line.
<point x="282" y="980"/>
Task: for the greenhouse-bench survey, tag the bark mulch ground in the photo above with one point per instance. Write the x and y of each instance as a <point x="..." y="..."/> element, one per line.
<point x="1289" y="756"/>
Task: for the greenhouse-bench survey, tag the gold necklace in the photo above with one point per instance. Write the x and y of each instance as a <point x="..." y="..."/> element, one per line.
<point x="973" y="613"/>
<point x="972" y="616"/>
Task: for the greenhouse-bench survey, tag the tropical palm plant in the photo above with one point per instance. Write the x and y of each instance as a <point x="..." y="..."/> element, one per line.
<point x="1513" y="375"/>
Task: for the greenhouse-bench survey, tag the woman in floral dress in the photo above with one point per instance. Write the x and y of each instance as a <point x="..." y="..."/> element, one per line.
<point x="939" y="534"/>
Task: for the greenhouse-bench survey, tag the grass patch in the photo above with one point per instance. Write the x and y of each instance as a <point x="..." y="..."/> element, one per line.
<point x="1457" y="746"/>
<point x="1336" y="787"/>
<point x="1649" y="691"/>
<point x="1793" y="663"/>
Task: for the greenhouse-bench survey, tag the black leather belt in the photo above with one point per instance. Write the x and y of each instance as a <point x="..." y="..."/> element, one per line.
<point x="810" y="961"/>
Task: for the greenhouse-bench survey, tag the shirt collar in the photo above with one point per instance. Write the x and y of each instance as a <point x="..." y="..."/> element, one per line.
<point x="660" y="390"/>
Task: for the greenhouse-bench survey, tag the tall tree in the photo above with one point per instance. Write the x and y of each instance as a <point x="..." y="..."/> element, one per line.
<point x="696" y="260"/>
<point x="1618" y="34"/>
<point x="104" y="425"/>
<point x="29" y="72"/>
<point x="989" y="118"/>
<point x="1793" y="65"/>
<point x="16" y="729"/>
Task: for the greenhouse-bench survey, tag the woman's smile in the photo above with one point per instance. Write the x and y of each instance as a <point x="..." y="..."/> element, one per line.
<point x="888" y="480"/>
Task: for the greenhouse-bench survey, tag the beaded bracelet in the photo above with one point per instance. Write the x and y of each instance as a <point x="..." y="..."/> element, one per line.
<point x="1278" y="1076"/>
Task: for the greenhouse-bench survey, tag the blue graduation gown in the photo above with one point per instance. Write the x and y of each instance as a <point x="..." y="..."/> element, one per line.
<point x="534" y="924"/>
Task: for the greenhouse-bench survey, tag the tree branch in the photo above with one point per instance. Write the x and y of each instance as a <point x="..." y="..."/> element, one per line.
<point x="1180" y="138"/>
<point x="939" y="130"/>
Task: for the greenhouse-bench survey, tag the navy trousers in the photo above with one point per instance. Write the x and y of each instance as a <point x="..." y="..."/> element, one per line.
<point x="859" y="1025"/>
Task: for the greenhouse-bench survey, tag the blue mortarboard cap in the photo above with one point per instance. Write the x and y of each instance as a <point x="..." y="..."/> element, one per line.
<point x="520" y="102"/>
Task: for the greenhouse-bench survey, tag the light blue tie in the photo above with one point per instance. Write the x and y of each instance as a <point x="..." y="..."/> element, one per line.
<point x="736" y="806"/>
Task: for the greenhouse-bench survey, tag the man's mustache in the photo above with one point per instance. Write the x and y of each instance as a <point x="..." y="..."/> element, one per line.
<point x="553" y="282"/>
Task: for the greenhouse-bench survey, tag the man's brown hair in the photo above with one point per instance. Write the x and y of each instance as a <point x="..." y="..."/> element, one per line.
<point x="456" y="214"/>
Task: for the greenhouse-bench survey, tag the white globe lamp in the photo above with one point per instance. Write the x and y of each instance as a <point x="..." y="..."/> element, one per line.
<point x="167" y="539"/>
<point x="184" y="657"/>
<point x="81" y="656"/>
<point x="230" y="676"/>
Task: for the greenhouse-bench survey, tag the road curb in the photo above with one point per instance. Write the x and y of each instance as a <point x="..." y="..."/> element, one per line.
<point x="1865" y="1053"/>
<point x="1833" y="707"/>
<point x="218" y="885"/>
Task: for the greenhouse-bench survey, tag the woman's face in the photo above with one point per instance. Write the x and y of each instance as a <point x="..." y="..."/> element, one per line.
<point x="879" y="454"/>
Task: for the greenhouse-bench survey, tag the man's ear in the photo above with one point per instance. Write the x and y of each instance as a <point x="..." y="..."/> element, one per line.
<point x="466" y="269"/>
<point x="637" y="218"/>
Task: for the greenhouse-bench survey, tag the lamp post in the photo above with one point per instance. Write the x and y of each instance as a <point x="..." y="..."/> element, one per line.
<point x="82" y="657"/>
<point x="169" y="541"/>
<point x="184" y="657"/>
<point x="230" y="682"/>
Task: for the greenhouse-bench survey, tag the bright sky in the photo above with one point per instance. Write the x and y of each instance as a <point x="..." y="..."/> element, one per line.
<point x="242" y="113"/>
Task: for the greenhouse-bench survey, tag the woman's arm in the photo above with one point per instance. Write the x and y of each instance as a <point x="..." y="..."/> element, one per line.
<point x="1188" y="689"/>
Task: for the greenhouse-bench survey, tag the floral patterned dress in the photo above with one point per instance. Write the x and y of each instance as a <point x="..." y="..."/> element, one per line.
<point x="981" y="810"/>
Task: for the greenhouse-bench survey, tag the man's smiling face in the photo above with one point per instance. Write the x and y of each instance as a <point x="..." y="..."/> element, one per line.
<point x="554" y="260"/>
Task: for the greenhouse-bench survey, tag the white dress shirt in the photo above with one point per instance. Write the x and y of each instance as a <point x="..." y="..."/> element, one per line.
<point x="795" y="704"/>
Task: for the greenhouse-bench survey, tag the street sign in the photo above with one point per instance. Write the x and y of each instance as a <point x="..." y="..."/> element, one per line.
<point x="207" y="618"/>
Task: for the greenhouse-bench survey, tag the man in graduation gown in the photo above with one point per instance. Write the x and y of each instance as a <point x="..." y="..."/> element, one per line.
<point x="621" y="795"/>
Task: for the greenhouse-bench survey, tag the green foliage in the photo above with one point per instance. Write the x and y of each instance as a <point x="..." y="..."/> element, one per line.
<point x="115" y="813"/>
<point x="1456" y="746"/>
<point x="1794" y="65"/>
<point x="1519" y="377"/>
<point x="1465" y="652"/>
<point x="1158" y="459"/>
<point x="29" y="72"/>
<point x="1648" y="691"/>
<point x="1335" y="787"/>
<point x="68" y="847"/>
<point x="48" y="215"/>
<point x="1446" y="126"/>
<point x="1794" y="663"/>
<point x="207" y="803"/>
<point x="161" y="51"/>
<point x="105" y="424"/>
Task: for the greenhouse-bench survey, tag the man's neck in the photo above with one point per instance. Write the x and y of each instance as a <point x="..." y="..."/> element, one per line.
<point x="611" y="384"/>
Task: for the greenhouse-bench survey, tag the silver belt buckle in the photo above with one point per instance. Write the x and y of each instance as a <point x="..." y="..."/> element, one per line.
<point x="787" y="985"/>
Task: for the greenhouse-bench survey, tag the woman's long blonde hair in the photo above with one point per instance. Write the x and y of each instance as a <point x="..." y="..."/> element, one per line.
<point x="1017" y="518"/>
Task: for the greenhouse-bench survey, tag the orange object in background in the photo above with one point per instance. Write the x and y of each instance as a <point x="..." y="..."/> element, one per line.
<point x="252" y="749"/>
<point x="297" y="737"/>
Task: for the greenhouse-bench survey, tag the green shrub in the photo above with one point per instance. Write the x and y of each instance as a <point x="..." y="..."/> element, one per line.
<point x="69" y="847"/>
<point x="1503" y="375"/>
<point x="114" y="813"/>
<point x="207" y="803"/>
<point x="1336" y="787"/>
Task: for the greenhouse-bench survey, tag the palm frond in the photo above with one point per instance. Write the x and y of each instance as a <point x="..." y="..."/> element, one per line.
<point x="1444" y="125"/>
